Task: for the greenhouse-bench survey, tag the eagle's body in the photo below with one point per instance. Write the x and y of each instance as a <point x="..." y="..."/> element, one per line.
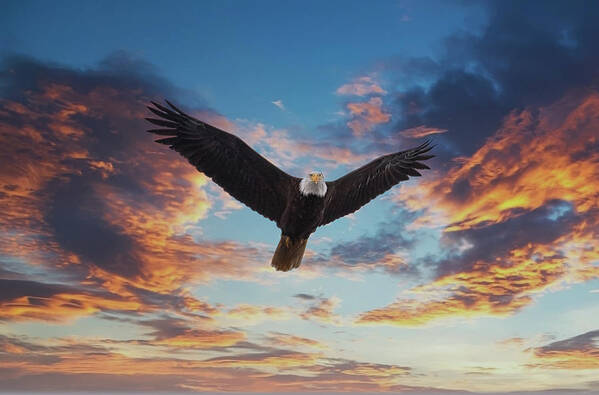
<point x="297" y="205"/>
<point x="302" y="215"/>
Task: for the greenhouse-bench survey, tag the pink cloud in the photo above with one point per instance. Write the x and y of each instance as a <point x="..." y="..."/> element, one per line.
<point x="361" y="86"/>
<point x="420" y="131"/>
<point x="366" y="115"/>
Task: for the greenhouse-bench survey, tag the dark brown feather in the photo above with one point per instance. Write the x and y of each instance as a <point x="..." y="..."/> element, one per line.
<point x="289" y="253"/>
<point x="352" y="191"/>
<point x="231" y="163"/>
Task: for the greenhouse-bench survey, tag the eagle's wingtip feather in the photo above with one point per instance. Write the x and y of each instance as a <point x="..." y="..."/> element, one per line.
<point x="162" y="122"/>
<point x="159" y="113"/>
<point x="163" y="132"/>
<point x="167" y="141"/>
<point x="174" y="107"/>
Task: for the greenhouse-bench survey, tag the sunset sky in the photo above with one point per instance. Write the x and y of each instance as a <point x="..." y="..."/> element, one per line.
<point x="123" y="268"/>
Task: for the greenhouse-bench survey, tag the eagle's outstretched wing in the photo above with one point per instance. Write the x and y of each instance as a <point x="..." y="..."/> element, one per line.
<point x="350" y="192"/>
<point x="226" y="159"/>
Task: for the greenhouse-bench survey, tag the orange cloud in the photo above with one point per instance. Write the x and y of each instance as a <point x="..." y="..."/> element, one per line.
<point x="421" y="131"/>
<point x="252" y="314"/>
<point x="579" y="352"/>
<point x="106" y="168"/>
<point x="489" y="288"/>
<point x="285" y="151"/>
<point x="366" y="115"/>
<point x="26" y="170"/>
<point x="530" y="162"/>
<point x="281" y="359"/>
<point x="274" y="371"/>
<point x="10" y="348"/>
<point x="198" y="338"/>
<point x="575" y="359"/>
<point x="361" y="86"/>
<point x="512" y="341"/>
<point x="323" y="310"/>
<point x="147" y="197"/>
<point x="375" y="370"/>
<point x="283" y="339"/>
<point x="62" y="307"/>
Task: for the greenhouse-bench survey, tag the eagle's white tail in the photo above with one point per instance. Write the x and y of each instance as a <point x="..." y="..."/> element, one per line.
<point x="289" y="253"/>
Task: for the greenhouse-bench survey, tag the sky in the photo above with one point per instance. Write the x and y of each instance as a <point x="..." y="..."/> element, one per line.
<point x="123" y="268"/>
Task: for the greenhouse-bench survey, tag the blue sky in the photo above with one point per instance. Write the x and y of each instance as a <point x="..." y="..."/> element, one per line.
<point x="241" y="56"/>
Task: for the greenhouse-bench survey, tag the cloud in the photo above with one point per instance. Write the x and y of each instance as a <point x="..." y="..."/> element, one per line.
<point x="279" y="104"/>
<point x="354" y="368"/>
<point x="512" y="341"/>
<point x="248" y="314"/>
<point x="533" y="174"/>
<point x="480" y="77"/>
<point x="366" y="115"/>
<point x="483" y="281"/>
<point x="277" y="359"/>
<point x="578" y="352"/>
<point x="30" y="300"/>
<point x="286" y="152"/>
<point x="200" y="338"/>
<point x="488" y="290"/>
<point x="287" y="340"/>
<point x="228" y="204"/>
<point x="322" y="310"/>
<point x="189" y="334"/>
<point x="102" y="207"/>
<point x="88" y="364"/>
<point x="518" y="102"/>
<point x="305" y="296"/>
<point x="420" y="131"/>
<point x="524" y="157"/>
<point x="361" y="86"/>
<point x="386" y="250"/>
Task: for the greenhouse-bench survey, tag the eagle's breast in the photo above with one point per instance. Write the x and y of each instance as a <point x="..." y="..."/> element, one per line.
<point x="304" y="211"/>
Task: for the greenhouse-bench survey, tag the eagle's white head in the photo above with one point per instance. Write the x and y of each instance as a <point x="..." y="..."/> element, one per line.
<point x="313" y="184"/>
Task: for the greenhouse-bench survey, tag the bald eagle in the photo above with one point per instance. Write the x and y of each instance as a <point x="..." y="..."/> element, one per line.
<point x="297" y="205"/>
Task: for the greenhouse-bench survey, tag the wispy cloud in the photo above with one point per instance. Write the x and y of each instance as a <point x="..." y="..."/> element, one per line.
<point x="579" y="352"/>
<point x="67" y="361"/>
<point x="322" y="309"/>
<point x="246" y="314"/>
<point x="361" y="86"/>
<point x="420" y="131"/>
<point x="366" y="115"/>
<point x="282" y="149"/>
<point x="287" y="340"/>
<point x="28" y="300"/>
<point x="279" y="104"/>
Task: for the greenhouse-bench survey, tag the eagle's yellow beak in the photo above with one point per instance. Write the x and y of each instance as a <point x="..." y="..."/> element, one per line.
<point x="315" y="177"/>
